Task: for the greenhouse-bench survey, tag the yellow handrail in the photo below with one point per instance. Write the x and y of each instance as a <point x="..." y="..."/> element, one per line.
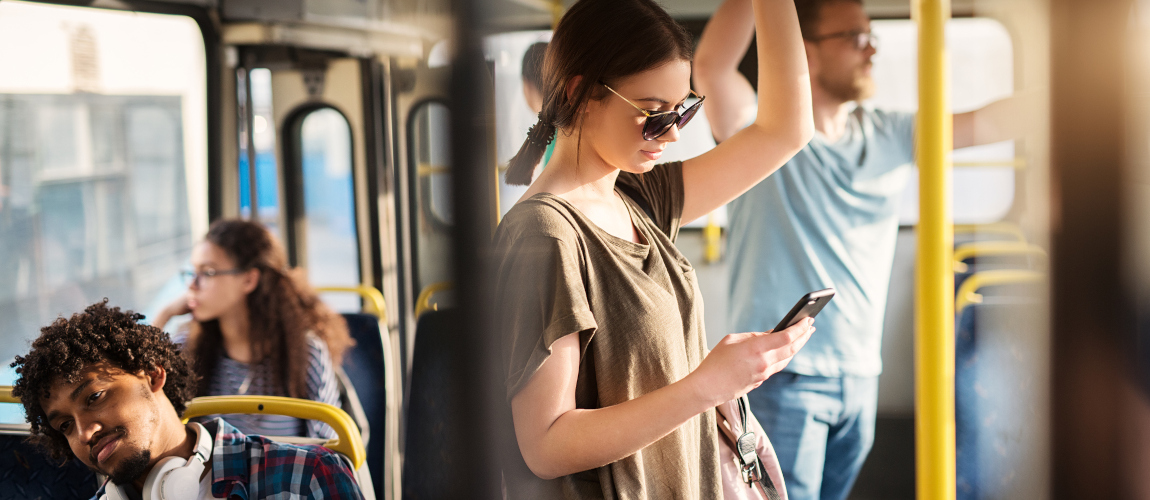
<point x="1005" y="228"/>
<point x="989" y="248"/>
<point x="712" y="235"/>
<point x="348" y="441"/>
<point x="1016" y="163"/>
<point x="423" y="303"/>
<point x="556" y="13"/>
<point x="6" y="395"/>
<point x="934" y="316"/>
<point x="375" y="303"/>
<point x="424" y="170"/>
<point x="968" y="292"/>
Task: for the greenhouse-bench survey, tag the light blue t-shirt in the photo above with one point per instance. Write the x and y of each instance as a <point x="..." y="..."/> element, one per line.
<point x="828" y="217"/>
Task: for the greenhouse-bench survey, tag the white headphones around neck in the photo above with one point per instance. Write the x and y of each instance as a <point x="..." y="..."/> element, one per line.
<point x="173" y="477"/>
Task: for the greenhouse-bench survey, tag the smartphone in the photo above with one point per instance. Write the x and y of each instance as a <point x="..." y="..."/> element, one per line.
<point x="806" y="307"/>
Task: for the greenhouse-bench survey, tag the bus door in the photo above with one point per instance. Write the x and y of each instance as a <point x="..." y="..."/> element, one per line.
<point x="423" y="196"/>
<point x="310" y="153"/>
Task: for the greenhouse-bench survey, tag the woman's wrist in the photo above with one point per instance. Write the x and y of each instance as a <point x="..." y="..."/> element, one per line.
<point x="699" y="391"/>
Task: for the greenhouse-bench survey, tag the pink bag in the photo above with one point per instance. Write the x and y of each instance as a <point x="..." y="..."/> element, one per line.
<point x="747" y="461"/>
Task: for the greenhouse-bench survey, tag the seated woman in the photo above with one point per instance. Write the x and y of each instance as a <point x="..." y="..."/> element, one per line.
<point x="257" y="328"/>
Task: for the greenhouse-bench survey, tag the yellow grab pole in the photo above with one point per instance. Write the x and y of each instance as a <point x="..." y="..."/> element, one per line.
<point x="934" y="280"/>
<point x="556" y="13"/>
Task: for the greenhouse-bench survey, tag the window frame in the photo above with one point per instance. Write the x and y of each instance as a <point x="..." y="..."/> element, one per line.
<point x="291" y="172"/>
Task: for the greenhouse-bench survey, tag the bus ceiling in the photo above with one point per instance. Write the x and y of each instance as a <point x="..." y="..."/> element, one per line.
<point x="392" y="26"/>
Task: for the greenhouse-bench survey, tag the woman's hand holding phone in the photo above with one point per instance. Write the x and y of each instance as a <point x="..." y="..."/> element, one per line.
<point x="742" y="361"/>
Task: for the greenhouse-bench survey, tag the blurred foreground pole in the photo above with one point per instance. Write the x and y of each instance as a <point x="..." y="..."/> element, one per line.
<point x="1091" y="307"/>
<point x="934" y="273"/>
<point x="474" y="367"/>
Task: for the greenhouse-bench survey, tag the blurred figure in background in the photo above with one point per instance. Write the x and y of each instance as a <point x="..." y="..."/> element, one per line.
<point x="533" y="85"/>
<point x="257" y="327"/>
<point x="828" y="217"/>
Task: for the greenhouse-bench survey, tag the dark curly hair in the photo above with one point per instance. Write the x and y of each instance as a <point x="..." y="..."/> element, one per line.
<point x="100" y="334"/>
<point x="282" y="309"/>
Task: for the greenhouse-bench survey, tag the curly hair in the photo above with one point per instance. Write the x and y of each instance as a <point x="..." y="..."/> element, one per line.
<point x="100" y="334"/>
<point x="282" y="310"/>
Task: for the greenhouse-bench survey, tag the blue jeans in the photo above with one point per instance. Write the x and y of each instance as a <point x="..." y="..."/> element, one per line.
<point x="821" y="427"/>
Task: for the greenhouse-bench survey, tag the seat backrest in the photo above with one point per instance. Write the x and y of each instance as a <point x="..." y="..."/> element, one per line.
<point x="434" y="420"/>
<point x="995" y="394"/>
<point x="27" y="473"/>
<point x="364" y="366"/>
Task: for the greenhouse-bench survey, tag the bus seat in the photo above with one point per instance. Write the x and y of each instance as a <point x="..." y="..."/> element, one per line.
<point x="993" y="394"/>
<point x="364" y="367"/>
<point x="434" y="420"/>
<point x="28" y="473"/>
<point x="369" y="381"/>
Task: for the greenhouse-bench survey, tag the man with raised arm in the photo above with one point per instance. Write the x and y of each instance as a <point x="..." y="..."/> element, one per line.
<point x="109" y="390"/>
<point x="829" y="217"/>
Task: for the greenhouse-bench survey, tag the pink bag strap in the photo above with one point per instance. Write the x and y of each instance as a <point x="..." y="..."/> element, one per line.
<point x="746" y="451"/>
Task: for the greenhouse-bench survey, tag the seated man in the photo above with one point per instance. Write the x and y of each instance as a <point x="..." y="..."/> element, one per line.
<point x="109" y="390"/>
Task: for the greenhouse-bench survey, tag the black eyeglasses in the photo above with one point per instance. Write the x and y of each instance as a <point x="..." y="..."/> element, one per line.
<point x="861" y="39"/>
<point x="659" y="123"/>
<point x="190" y="276"/>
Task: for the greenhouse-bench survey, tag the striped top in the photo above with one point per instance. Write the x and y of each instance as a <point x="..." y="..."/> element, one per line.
<point x="232" y="376"/>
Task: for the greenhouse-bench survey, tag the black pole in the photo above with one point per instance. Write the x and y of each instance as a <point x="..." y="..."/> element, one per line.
<point x="1091" y="323"/>
<point x="473" y="173"/>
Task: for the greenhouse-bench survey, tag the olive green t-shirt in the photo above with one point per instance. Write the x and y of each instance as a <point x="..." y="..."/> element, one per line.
<point x="639" y="316"/>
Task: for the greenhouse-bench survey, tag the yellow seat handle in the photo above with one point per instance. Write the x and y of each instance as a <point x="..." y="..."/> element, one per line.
<point x="1004" y="228"/>
<point x="348" y="440"/>
<point x="992" y="248"/>
<point x="373" y="298"/>
<point x="968" y="292"/>
<point x="423" y="303"/>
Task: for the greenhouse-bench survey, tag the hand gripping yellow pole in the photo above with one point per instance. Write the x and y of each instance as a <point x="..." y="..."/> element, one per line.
<point x="934" y="279"/>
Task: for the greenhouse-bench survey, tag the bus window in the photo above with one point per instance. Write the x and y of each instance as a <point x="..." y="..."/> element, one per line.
<point x="331" y="252"/>
<point x="431" y="193"/>
<point x="264" y="137"/>
<point x="982" y="71"/>
<point x="103" y="168"/>
<point x="513" y="116"/>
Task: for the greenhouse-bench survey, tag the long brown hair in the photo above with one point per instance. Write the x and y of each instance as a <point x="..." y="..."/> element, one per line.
<point x="283" y="309"/>
<point x="601" y="41"/>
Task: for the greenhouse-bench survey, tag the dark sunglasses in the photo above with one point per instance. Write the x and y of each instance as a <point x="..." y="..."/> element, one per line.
<point x="659" y="123"/>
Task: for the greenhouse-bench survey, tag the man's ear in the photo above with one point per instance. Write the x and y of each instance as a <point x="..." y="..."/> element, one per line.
<point x="157" y="377"/>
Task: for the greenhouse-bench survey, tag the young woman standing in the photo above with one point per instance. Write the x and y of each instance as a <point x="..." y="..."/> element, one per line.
<point x="611" y="388"/>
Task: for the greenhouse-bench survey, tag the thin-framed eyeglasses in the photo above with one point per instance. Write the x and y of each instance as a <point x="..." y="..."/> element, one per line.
<point x="193" y="277"/>
<point x="658" y="123"/>
<point x="861" y="39"/>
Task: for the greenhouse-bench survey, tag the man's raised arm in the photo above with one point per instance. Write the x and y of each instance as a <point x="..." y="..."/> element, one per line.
<point x="730" y="97"/>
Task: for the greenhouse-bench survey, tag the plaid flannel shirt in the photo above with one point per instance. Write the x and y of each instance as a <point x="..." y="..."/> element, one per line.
<point x="250" y="467"/>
